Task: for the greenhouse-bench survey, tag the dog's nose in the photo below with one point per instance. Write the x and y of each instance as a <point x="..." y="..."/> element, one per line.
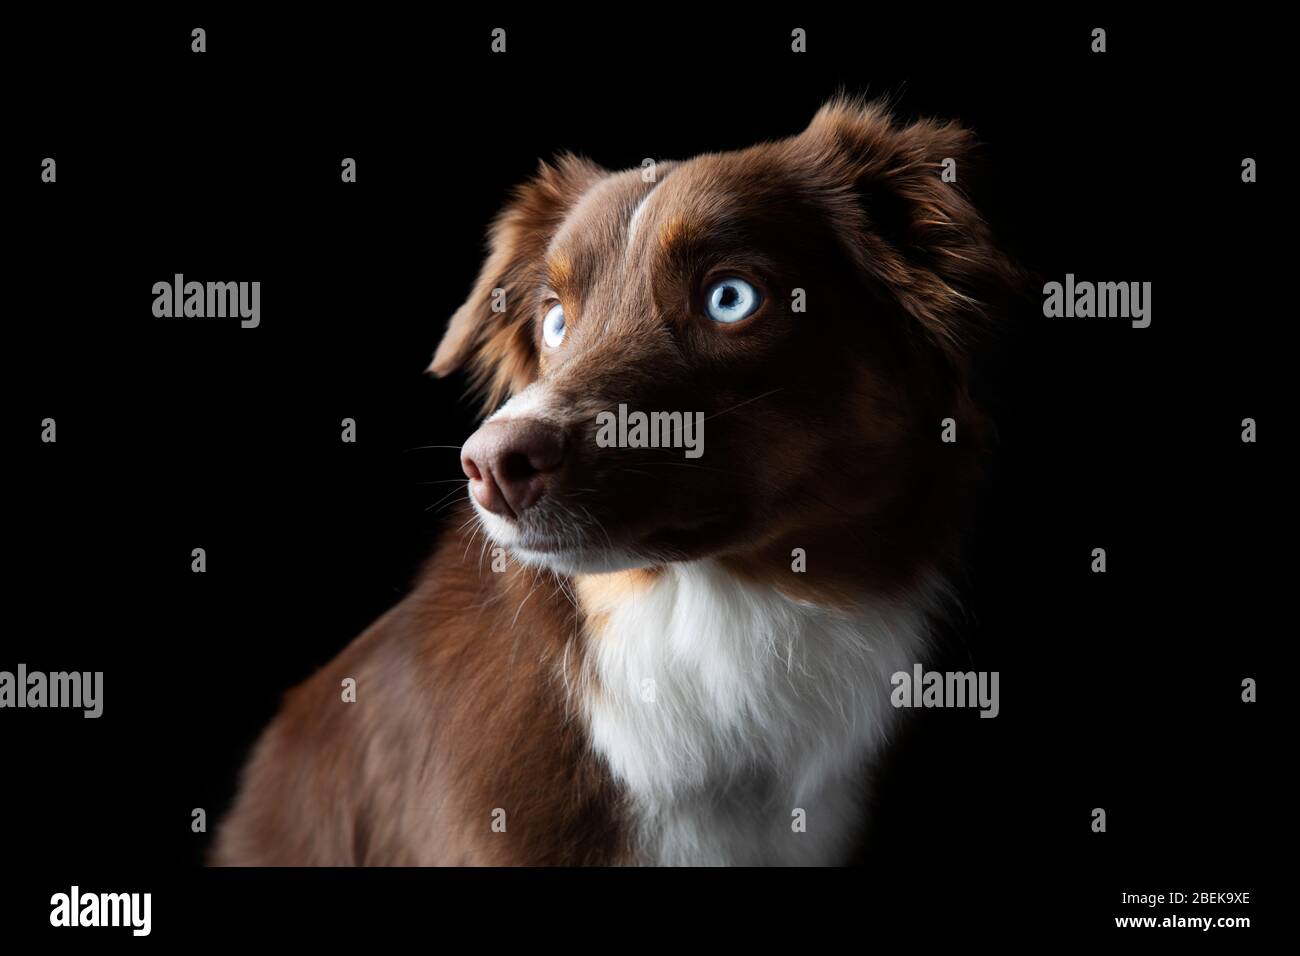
<point x="507" y="462"/>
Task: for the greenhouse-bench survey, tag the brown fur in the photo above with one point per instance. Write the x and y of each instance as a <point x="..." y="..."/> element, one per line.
<point x="459" y="711"/>
<point x="823" y="434"/>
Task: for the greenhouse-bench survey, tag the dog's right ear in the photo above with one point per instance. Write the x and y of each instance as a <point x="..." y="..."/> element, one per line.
<point x="492" y="333"/>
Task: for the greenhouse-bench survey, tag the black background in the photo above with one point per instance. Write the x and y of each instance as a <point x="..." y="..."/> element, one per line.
<point x="1119" y="690"/>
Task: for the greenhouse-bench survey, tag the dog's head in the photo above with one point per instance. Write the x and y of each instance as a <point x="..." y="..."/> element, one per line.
<point x="800" y="315"/>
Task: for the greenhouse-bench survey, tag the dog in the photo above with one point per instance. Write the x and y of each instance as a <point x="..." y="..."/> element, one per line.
<point x="629" y="655"/>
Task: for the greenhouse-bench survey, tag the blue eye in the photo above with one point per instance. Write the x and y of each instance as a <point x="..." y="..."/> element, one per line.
<point x="553" y="326"/>
<point x="730" y="300"/>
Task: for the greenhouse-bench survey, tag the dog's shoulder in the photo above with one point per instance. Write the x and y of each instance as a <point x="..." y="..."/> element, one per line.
<point x="442" y="735"/>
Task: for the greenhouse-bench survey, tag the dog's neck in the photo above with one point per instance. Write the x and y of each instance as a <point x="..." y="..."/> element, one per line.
<point x="740" y="720"/>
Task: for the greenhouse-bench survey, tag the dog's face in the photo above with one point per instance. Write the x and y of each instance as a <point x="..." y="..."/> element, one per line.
<point x="804" y="307"/>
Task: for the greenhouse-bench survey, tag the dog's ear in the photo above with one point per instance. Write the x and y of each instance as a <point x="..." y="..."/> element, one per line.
<point x="492" y="333"/>
<point x="918" y="234"/>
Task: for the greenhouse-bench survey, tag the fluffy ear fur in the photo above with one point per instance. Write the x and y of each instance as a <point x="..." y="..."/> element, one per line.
<point x="492" y="333"/>
<point x="918" y="235"/>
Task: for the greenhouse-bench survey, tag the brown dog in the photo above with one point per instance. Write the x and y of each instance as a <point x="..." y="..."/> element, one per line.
<point x="687" y="658"/>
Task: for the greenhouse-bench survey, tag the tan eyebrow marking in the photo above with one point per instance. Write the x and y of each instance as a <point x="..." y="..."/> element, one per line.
<point x="559" y="272"/>
<point x="675" y="231"/>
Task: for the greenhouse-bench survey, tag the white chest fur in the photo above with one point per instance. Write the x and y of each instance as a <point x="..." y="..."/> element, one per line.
<point x="741" y="722"/>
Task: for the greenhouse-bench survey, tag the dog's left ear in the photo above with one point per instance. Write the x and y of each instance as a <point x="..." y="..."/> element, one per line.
<point x="903" y="220"/>
<point x="492" y="333"/>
